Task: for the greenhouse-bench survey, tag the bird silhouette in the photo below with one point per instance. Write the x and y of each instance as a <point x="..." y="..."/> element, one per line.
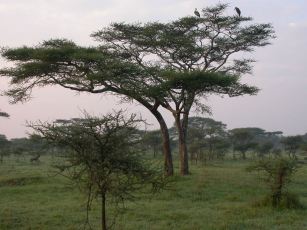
<point x="238" y="11"/>
<point x="196" y="13"/>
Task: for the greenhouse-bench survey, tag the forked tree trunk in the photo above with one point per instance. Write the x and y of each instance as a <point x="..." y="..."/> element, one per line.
<point x="166" y="148"/>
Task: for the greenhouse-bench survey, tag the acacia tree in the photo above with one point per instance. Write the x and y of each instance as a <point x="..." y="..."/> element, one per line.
<point x="151" y="140"/>
<point x="96" y="70"/>
<point x="206" y="132"/>
<point x="265" y="148"/>
<point x="191" y="49"/>
<point x="243" y="139"/>
<point x="213" y="133"/>
<point x="170" y="65"/>
<point x="292" y="145"/>
<point x="102" y="158"/>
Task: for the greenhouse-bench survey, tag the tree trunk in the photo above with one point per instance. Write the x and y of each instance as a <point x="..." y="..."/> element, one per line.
<point x="103" y="212"/>
<point x="168" y="160"/>
<point x="154" y="152"/>
<point x="166" y="147"/>
<point x="243" y="155"/>
<point x="183" y="150"/>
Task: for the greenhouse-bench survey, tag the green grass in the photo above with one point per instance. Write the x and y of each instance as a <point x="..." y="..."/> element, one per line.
<point x="215" y="196"/>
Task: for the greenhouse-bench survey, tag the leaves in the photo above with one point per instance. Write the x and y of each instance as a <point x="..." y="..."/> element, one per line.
<point x="101" y="153"/>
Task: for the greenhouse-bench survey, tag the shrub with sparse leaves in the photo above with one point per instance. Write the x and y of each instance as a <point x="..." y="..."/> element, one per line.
<point x="278" y="173"/>
<point x="102" y="158"/>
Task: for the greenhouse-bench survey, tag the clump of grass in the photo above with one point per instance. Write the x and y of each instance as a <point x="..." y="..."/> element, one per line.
<point x="287" y="201"/>
<point x="20" y="181"/>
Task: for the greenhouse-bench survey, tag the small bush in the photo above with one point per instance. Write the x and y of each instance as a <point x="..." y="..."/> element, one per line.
<point x="278" y="173"/>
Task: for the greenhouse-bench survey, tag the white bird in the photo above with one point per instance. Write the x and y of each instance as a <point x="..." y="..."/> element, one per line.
<point x="238" y="11"/>
<point x="196" y="13"/>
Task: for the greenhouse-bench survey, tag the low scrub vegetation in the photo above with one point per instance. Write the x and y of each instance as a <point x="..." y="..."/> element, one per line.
<point x="278" y="175"/>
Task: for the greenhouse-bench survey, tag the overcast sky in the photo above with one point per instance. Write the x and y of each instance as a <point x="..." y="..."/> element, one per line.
<point x="280" y="71"/>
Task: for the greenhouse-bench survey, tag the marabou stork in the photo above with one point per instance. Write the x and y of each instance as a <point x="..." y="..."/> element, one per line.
<point x="196" y="13"/>
<point x="238" y="11"/>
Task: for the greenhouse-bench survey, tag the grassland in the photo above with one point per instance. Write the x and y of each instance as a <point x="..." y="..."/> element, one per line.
<point x="217" y="196"/>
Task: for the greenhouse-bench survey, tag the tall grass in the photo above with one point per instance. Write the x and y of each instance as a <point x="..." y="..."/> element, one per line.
<point x="219" y="195"/>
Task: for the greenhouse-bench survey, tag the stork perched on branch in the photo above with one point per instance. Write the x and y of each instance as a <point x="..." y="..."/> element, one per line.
<point x="197" y="14"/>
<point x="238" y="11"/>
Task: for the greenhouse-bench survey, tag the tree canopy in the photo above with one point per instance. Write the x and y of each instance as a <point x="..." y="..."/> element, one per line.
<point x="172" y="65"/>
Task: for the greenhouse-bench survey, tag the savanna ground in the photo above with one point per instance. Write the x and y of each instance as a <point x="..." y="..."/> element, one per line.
<point x="219" y="195"/>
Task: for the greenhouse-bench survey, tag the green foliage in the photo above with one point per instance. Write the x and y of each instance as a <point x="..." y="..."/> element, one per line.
<point x="215" y="197"/>
<point x="102" y="158"/>
<point x="278" y="174"/>
<point x="151" y="141"/>
<point x="201" y="82"/>
<point x="206" y="127"/>
<point x="244" y="139"/>
<point x="287" y="201"/>
<point x="90" y="68"/>
<point x="171" y="65"/>
<point x="207" y="134"/>
<point x="4" y="147"/>
<point x="265" y="148"/>
<point x="292" y="144"/>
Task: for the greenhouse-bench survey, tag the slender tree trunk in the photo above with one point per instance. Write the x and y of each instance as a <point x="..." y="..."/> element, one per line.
<point x="233" y="154"/>
<point x="243" y="155"/>
<point x="183" y="150"/>
<point x="166" y="148"/>
<point x="103" y="212"/>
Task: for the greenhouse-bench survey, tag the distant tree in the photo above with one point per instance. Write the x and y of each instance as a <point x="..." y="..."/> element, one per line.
<point x="196" y="147"/>
<point x="209" y="134"/>
<point x="277" y="152"/>
<point x="292" y="145"/>
<point x="4" y="147"/>
<point x="265" y="148"/>
<point x="151" y="140"/>
<point x="222" y="146"/>
<point x="207" y="127"/>
<point x="20" y="147"/>
<point x="102" y="158"/>
<point x="38" y="146"/>
<point x="273" y="137"/>
<point x="303" y="147"/>
<point x="244" y="139"/>
<point x="171" y="65"/>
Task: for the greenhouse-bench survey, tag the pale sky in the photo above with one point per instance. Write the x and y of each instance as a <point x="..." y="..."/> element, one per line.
<point x="280" y="71"/>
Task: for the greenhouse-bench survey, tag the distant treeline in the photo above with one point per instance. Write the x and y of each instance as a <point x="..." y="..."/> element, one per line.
<point x="208" y="139"/>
